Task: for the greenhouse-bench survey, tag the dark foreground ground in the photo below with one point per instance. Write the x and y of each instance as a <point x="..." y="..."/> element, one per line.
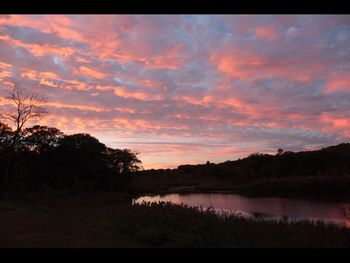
<point x="109" y="220"/>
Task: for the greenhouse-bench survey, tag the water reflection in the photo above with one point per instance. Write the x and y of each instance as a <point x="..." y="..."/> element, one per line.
<point x="259" y="208"/>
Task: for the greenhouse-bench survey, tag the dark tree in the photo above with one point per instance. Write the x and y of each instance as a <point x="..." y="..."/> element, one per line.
<point x="280" y="151"/>
<point x="123" y="161"/>
<point x="41" y="138"/>
<point x="84" y="159"/>
<point x="5" y="137"/>
<point x="25" y="106"/>
<point x="81" y="155"/>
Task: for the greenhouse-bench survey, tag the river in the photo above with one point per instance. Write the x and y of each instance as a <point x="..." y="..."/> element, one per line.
<point x="265" y="208"/>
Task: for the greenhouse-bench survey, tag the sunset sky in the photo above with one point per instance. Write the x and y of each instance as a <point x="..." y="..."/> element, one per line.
<point x="185" y="89"/>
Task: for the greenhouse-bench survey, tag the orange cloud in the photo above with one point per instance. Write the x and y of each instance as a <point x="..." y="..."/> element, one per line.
<point x="82" y="60"/>
<point x="75" y="84"/>
<point x="57" y="24"/>
<point x="39" y="50"/>
<point x="121" y="92"/>
<point x="123" y="109"/>
<point x="5" y="65"/>
<point x="48" y="83"/>
<point x="92" y="73"/>
<point x="49" y="75"/>
<point x="30" y="74"/>
<point x="124" y="124"/>
<point x="138" y="124"/>
<point x="124" y="93"/>
<point x="195" y="101"/>
<point x="5" y="70"/>
<point x="37" y="75"/>
<point x="75" y="106"/>
<point x="46" y="78"/>
<point x="5" y="74"/>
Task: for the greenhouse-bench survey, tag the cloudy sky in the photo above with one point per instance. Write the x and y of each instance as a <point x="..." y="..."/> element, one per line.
<point x="186" y="89"/>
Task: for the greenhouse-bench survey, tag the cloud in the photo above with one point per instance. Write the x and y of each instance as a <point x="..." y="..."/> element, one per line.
<point x="91" y="73"/>
<point x="267" y="32"/>
<point x="186" y="88"/>
<point x="338" y="81"/>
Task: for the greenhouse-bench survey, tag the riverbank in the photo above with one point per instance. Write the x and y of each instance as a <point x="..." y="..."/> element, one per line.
<point x="109" y="220"/>
<point x="320" y="188"/>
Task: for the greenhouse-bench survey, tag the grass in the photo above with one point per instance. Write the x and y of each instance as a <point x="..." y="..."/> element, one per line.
<point x="22" y="206"/>
<point x="58" y="223"/>
<point x="109" y="220"/>
<point x="169" y="225"/>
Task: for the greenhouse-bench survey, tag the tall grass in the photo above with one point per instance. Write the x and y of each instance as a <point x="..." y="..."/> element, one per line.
<point x="170" y="225"/>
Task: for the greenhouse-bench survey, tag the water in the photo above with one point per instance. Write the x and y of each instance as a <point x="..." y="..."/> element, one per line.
<point x="270" y="208"/>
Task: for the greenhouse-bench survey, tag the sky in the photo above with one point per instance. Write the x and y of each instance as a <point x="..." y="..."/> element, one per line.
<point x="186" y="89"/>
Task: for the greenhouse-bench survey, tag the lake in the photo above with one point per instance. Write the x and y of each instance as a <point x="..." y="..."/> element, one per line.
<point x="266" y="208"/>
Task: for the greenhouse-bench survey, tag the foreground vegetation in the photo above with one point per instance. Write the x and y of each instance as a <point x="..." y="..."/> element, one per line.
<point x="109" y="220"/>
<point x="169" y="225"/>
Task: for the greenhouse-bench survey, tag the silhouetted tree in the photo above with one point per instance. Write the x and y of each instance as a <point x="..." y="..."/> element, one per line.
<point x="123" y="161"/>
<point x="84" y="159"/>
<point x="80" y="156"/>
<point x="5" y="137"/>
<point x="41" y="138"/>
<point x="280" y="151"/>
<point x="25" y="106"/>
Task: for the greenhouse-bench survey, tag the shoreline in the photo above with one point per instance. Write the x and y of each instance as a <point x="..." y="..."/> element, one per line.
<point x="318" y="188"/>
<point x="194" y="190"/>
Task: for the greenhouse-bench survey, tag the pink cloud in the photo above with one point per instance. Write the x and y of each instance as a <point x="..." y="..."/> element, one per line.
<point x="39" y="49"/>
<point x="246" y="65"/>
<point x="267" y="32"/>
<point x="336" y="123"/>
<point x="91" y="73"/>
<point x="249" y="83"/>
<point x="338" y="82"/>
<point x="124" y="93"/>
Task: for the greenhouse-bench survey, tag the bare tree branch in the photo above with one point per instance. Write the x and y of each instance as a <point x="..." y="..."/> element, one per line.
<point x="26" y="106"/>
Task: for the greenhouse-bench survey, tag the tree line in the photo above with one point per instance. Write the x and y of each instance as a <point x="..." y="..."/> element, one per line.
<point x="38" y="157"/>
<point x="329" y="161"/>
<point x="46" y="157"/>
